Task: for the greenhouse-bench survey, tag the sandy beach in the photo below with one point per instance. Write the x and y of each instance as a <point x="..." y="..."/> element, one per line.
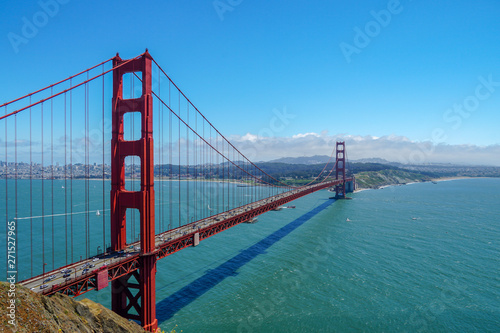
<point x="443" y="179"/>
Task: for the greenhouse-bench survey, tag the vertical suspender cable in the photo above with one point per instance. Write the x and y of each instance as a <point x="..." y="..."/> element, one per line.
<point x="86" y="173"/>
<point x="203" y="165"/>
<point x="229" y="177"/>
<point x="187" y="165"/>
<point x="6" y="201"/>
<point x="42" y="193"/>
<point x="224" y="205"/>
<point x="179" y="153"/>
<point x="195" y="169"/>
<point x="103" y="171"/>
<point x="223" y="178"/>
<point x="71" y="163"/>
<point x="52" y="171"/>
<point x="234" y="177"/>
<point x="87" y="177"/>
<point x="160" y="157"/>
<point x="87" y="163"/>
<point x="219" y="193"/>
<point x="170" y="161"/>
<point x="15" y="189"/>
<point x="211" y="173"/>
<point x="31" y="196"/>
<point x="65" y="180"/>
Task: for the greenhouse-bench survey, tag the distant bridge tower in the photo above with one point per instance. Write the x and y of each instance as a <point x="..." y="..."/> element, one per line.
<point x="128" y="294"/>
<point x="340" y="170"/>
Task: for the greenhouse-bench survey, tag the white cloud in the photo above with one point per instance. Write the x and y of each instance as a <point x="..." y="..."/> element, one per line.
<point x="391" y="147"/>
<point x="297" y="136"/>
<point x="250" y="137"/>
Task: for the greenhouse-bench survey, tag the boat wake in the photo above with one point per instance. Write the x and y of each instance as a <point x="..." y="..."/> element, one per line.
<point x="97" y="212"/>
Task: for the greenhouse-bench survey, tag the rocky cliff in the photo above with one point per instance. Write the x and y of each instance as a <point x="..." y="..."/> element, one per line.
<point x="58" y="313"/>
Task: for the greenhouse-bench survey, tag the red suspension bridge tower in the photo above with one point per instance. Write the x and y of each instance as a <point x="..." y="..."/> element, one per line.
<point x="127" y="294"/>
<point x="340" y="169"/>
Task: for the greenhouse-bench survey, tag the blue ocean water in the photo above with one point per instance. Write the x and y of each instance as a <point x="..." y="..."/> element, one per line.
<point x="417" y="258"/>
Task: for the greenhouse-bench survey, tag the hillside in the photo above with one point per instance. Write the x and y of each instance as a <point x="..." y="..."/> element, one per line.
<point x="60" y="313"/>
<point x="376" y="179"/>
<point x="316" y="159"/>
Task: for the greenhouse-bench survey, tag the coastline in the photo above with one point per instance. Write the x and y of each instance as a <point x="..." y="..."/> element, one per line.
<point x="444" y="179"/>
<point x="441" y="179"/>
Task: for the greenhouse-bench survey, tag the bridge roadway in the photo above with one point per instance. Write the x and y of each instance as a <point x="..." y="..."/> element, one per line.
<point x="96" y="272"/>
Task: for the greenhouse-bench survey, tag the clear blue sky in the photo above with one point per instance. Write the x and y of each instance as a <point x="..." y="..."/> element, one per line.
<point x="239" y="66"/>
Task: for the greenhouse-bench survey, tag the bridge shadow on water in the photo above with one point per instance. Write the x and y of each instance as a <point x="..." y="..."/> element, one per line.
<point x="168" y="307"/>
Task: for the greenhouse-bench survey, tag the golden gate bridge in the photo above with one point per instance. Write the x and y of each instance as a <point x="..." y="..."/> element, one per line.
<point x="116" y="158"/>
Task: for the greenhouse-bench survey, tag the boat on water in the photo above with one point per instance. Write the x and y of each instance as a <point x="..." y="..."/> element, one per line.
<point x="98" y="213"/>
<point x="347" y="220"/>
<point x="290" y="206"/>
<point x="278" y="208"/>
<point x="252" y="220"/>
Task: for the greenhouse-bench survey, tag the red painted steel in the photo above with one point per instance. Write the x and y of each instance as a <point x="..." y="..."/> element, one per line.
<point x="340" y="169"/>
<point x="143" y="200"/>
<point x="81" y="284"/>
<point x="102" y="279"/>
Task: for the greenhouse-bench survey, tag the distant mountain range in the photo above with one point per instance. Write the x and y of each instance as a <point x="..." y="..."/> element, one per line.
<point x="321" y="159"/>
<point x="317" y="159"/>
<point x="436" y="170"/>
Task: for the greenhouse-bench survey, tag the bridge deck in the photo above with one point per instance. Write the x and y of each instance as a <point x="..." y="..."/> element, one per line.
<point x="116" y="264"/>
